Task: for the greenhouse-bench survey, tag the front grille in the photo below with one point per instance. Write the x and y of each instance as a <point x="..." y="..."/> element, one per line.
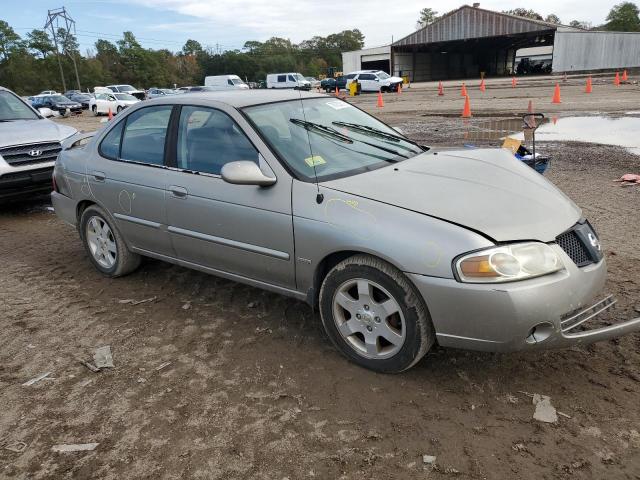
<point x="25" y="154"/>
<point x="574" y="248"/>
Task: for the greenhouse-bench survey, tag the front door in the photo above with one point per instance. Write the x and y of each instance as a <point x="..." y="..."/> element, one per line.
<point x="128" y="178"/>
<point x="240" y="229"/>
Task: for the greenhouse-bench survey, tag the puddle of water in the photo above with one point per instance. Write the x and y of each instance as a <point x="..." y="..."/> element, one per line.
<point x="619" y="131"/>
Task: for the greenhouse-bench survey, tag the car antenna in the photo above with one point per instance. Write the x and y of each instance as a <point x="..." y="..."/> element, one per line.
<point x="319" y="196"/>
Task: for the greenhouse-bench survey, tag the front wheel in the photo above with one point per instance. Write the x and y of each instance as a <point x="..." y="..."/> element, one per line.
<point x="374" y="316"/>
<point x="119" y="109"/>
<point x="94" y="109"/>
<point x="104" y="244"/>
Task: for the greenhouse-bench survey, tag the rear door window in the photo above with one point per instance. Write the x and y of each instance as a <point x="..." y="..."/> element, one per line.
<point x="144" y="135"/>
<point x="282" y="78"/>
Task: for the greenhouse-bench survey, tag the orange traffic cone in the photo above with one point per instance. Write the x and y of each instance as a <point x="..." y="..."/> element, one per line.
<point x="556" y="94"/>
<point x="482" y="86"/>
<point x="399" y="91"/>
<point x="466" y="111"/>
<point x="624" y="76"/>
<point x="110" y="114"/>
<point x="337" y="92"/>
<point x="530" y="107"/>
<point x="514" y="82"/>
<point x="440" y="89"/>
<point x="554" y="119"/>
<point x="616" y="81"/>
<point x="588" y="88"/>
<point x="380" y="100"/>
<point x="463" y="90"/>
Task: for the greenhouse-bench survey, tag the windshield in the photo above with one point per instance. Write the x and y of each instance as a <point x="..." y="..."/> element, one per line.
<point x="236" y="81"/>
<point x="330" y="138"/>
<point x="126" y="88"/>
<point x="59" y="98"/>
<point x="12" y="108"/>
<point x="383" y="75"/>
<point x="124" y="96"/>
<point x="299" y="77"/>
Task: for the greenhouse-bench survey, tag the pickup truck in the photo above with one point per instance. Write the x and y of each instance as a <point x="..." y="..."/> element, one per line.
<point x="329" y="84"/>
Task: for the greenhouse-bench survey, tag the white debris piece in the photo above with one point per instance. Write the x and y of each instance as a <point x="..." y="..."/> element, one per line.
<point x="102" y="357"/>
<point x="35" y="380"/>
<point x="75" y="447"/>
<point x="428" y="459"/>
<point x="545" y="412"/>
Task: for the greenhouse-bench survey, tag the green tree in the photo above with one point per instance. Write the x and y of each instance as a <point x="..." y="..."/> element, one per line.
<point x="9" y="40"/>
<point x="192" y="47"/>
<point x="39" y="41"/>
<point x="623" y="18"/>
<point x="427" y="16"/>
<point x="523" y="12"/>
<point x="579" y="24"/>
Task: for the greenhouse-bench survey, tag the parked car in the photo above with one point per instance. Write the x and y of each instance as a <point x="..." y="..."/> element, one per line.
<point x="399" y="245"/>
<point x="375" y="80"/>
<point x="29" y="146"/>
<point x="116" y="102"/>
<point x="128" y="89"/>
<point x="57" y="103"/>
<point x="225" y="82"/>
<point x="329" y="84"/>
<point x="48" y="92"/>
<point x="82" y="98"/>
<point x="160" y="92"/>
<point x="68" y="93"/>
<point x="199" y="88"/>
<point x="315" y="83"/>
<point x="287" y="80"/>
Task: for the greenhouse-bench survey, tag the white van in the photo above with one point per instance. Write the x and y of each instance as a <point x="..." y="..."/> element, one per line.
<point x="288" y="80"/>
<point x="225" y="82"/>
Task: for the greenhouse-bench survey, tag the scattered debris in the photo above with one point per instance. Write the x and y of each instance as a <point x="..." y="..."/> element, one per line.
<point x="102" y="357"/>
<point x="545" y="412"/>
<point x="142" y="380"/>
<point x="35" y="380"/>
<point x="562" y="414"/>
<point x="252" y="305"/>
<point x="629" y="179"/>
<point x="90" y="366"/>
<point x="428" y="459"/>
<point x="16" y="447"/>
<point x="186" y="306"/>
<point x="85" y="383"/>
<point x="162" y="366"/>
<point x="519" y="447"/>
<point x="76" y="447"/>
<point x="130" y="301"/>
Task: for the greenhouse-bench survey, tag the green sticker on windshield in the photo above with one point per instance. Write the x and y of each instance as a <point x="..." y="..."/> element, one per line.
<point x="314" y="161"/>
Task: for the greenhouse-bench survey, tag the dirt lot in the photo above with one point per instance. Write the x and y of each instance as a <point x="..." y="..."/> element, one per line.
<point x="255" y="391"/>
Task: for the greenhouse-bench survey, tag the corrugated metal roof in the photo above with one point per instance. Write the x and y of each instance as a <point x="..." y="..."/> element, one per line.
<point x="471" y="22"/>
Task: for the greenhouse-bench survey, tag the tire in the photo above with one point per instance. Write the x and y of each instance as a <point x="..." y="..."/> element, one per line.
<point x="94" y="109"/>
<point x="409" y="328"/>
<point x="119" y="109"/>
<point x="115" y="260"/>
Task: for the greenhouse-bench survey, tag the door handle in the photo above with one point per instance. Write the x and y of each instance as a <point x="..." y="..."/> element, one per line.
<point x="178" y="192"/>
<point x="99" y="176"/>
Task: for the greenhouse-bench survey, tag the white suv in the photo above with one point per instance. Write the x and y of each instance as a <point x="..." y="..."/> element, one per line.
<point x="375" y="80"/>
<point x="29" y="146"/>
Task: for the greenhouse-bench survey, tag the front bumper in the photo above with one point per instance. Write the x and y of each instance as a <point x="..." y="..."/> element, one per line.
<point x="552" y="311"/>
<point x="18" y="184"/>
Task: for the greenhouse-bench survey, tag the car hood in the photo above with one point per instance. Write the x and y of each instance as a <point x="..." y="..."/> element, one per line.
<point x="20" y="132"/>
<point x="486" y="190"/>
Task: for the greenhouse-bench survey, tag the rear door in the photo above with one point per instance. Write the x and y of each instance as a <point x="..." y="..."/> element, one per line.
<point x="368" y="81"/>
<point x="239" y="229"/>
<point x="128" y="176"/>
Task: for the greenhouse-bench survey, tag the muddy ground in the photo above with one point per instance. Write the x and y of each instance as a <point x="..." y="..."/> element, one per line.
<point x="254" y="389"/>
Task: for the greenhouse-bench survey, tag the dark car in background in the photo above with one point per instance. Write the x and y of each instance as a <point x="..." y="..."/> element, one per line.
<point x="82" y="98"/>
<point x="329" y="84"/>
<point x="57" y="103"/>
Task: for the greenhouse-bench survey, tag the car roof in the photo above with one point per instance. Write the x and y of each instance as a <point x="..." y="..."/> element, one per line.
<point x="239" y="98"/>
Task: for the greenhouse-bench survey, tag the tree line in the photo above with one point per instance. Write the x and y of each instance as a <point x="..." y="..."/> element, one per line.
<point x="29" y="65"/>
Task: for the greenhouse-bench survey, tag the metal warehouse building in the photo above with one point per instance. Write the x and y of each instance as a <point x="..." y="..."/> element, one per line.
<point x="471" y="40"/>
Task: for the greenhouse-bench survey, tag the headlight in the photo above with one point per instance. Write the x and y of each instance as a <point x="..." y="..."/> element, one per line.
<point x="508" y="263"/>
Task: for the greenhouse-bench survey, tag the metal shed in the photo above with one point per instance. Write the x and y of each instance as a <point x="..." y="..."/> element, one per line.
<point x="466" y="42"/>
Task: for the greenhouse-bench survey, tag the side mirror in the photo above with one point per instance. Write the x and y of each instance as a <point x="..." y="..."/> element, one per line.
<point x="245" y="173"/>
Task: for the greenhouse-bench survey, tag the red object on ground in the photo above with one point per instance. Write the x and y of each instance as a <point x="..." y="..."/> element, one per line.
<point x="514" y="82"/>
<point x="466" y="111"/>
<point x="530" y="107"/>
<point x="380" y="100"/>
<point x="630" y="177"/>
<point x="589" y="88"/>
<point x="110" y="114"/>
<point x="463" y="90"/>
<point x="616" y="80"/>
<point x="440" y="89"/>
<point x="624" y="76"/>
<point x="556" y="95"/>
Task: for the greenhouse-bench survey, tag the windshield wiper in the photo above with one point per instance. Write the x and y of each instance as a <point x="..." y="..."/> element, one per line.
<point x="366" y="129"/>
<point x="322" y="129"/>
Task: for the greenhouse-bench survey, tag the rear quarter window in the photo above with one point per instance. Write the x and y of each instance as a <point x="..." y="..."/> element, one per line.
<point x="110" y="144"/>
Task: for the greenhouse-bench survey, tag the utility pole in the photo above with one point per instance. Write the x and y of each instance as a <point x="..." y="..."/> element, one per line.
<point x="56" y="19"/>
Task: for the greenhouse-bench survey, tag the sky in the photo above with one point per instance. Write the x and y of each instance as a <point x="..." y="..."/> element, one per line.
<point x="228" y="24"/>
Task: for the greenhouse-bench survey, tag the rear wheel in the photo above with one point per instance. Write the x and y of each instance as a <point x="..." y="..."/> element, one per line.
<point x="104" y="244"/>
<point x="119" y="109"/>
<point x="94" y="109"/>
<point x="374" y="316"/>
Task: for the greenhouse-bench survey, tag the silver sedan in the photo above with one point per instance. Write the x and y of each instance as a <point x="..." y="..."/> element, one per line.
<point x="400" y="246"/>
